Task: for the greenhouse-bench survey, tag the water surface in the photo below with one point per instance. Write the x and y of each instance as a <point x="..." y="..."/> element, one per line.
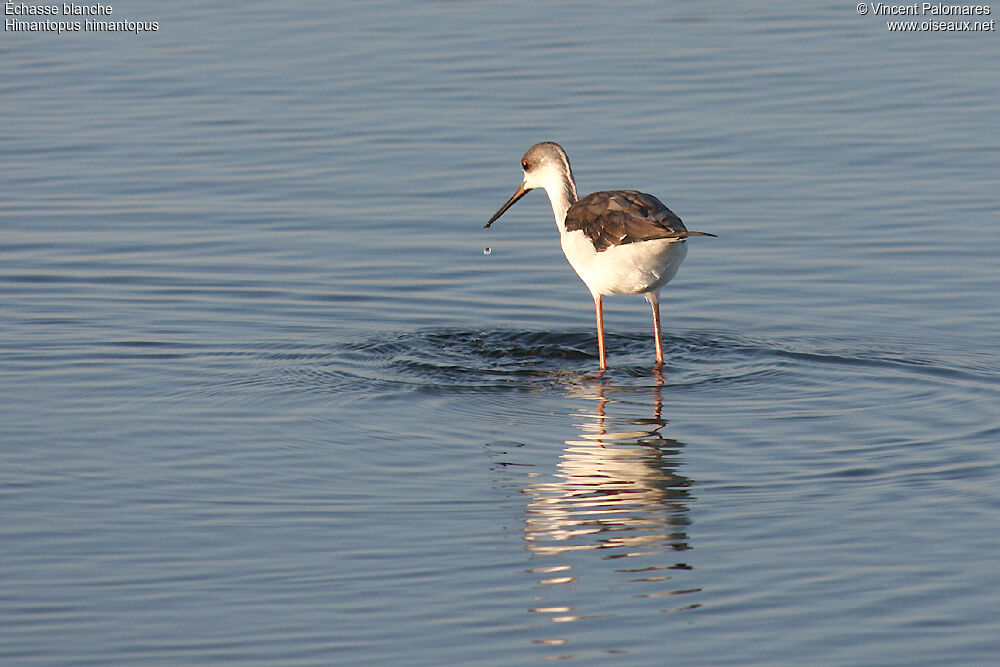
<point x="265" y="400"/>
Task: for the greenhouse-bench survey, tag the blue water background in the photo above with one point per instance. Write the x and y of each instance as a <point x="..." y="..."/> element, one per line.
<point x="264" y="399"/>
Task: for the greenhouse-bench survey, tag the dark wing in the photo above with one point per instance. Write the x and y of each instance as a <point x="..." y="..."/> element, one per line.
<point x="616" y="217"/>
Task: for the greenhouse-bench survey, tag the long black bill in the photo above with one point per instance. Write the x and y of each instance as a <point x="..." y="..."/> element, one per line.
<point x="520" y="192"/>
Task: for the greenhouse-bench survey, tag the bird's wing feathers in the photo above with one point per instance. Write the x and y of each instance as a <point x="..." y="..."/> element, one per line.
<point x="616" y="217"/>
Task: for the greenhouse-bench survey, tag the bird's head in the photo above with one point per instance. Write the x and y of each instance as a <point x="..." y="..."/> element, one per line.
<point x="544" y="165"/>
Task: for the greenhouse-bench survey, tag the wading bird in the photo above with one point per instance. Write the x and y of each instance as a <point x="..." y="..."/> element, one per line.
<point x="617" y="241"/>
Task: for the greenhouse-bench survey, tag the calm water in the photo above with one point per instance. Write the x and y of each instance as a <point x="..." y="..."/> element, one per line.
<point x="265" y="400"/>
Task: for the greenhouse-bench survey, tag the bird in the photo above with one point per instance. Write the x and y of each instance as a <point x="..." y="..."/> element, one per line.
<point x="617" y="241"/>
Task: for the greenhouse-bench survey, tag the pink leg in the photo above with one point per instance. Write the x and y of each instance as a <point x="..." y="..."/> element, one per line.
<point x="654" y="301"/>
<point x="600" y="331"/>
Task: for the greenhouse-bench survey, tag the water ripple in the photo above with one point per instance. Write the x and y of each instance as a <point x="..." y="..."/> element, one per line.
<point x="490" y="360"/>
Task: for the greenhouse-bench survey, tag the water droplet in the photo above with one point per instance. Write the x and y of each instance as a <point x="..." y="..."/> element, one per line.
<point x="487" y="251"/>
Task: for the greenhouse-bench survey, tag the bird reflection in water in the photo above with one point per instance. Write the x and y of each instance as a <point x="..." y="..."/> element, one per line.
<point x="617" y="492"/>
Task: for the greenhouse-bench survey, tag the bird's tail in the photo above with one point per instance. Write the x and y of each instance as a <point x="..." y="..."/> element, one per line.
<point x="684" y="235"/>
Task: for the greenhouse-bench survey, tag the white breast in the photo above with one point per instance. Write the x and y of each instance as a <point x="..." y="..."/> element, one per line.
<point x="632" y="268"/>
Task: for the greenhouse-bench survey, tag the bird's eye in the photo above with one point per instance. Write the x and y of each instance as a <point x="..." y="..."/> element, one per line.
<point x="525" y="165"/>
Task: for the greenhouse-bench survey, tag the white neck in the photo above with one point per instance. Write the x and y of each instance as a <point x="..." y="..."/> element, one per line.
<point x="562" y="195"/>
